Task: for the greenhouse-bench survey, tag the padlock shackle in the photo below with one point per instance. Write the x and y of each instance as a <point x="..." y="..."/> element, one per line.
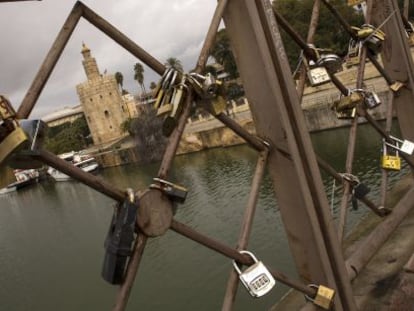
<point x="236" y="266"/>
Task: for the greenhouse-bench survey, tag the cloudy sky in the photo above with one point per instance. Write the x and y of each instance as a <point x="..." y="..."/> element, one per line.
<point x="173" y="28"/>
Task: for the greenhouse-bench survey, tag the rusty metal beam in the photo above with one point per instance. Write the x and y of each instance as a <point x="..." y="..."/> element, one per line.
<point x="49" y="63"/>
<point x="122" y="40"/>
<point x="397" y="60"/>
<point x="76" y="173"/>
<point x="211" y="35"/>
<point x="246" y="227"/>
<point x="370" y="245"/>
<point x="234" y="254"/>
<point x="275" y="108"/>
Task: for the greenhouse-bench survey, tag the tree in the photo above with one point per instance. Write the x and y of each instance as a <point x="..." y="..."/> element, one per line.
<point x="119" y="80"/>
<point x="221" y="51"/>
<point x="146" y="129"/>
<point x="174" y="63"/>
<point x="329" y="33"/>
<point x="139" y="75"/>
<point x="153" y="85"/>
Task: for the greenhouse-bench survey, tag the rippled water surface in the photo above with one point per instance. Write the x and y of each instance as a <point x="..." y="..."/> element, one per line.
<point x="51" y="235"/>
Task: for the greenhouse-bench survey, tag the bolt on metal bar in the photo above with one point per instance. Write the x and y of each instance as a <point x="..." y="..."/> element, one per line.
<point x="370" y="245"/>
<point x="49" y="63"/>
<point x="352" y="33"/>
<point x="211" y="35"/>
<point x="246" y="226"/>
<point x="122" y="40"/>
<point x="231" y="253"/>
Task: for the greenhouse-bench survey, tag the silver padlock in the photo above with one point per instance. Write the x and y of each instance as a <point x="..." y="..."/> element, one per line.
<point x="371" y="100"/>
<point x="257" y="278"/>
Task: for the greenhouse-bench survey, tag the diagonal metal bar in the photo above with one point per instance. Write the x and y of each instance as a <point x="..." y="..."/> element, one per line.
<point x="370" y="245"/>
<point x="353" y="34"/>
<point x="343" y="209"/>
<point x="313" y="24"/>
<point x="246" y="227"/>
<point x="133" y="264"/>
<point x="211" y="35"/>
<point x="266" y="76"/>
<point x="388" y="124"/>
<point x="49" y="63"/>
<point x="86" y="178"/>
<point x="121" y="39"/>
<point x="234" y="254"/>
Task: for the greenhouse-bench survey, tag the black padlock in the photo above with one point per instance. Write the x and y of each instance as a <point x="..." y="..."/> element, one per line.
<point x="119" y="240"/>
<point x="174" y="192"/>
<point x="360" y="190"/>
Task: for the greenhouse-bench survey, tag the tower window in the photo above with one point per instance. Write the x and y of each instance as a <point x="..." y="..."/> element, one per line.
<point x="91" y="99"/>
<point x="106" y="113"/>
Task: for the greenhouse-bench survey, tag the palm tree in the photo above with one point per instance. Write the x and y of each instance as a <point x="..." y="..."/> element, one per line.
<point x="139" y="75"/>
<point x="174" y="63"/>
<point x="119" y="80"/>
<point x="223" y="55"/>
<point x="153" y="85"/>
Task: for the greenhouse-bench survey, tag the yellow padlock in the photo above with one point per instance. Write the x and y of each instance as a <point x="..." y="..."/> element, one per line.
<point x="324" y="297"/>
<point x="12" y="136"/>
<point x="348" y="102"/>
<point x="6" y="176"/>
<point x="390" y="162"/>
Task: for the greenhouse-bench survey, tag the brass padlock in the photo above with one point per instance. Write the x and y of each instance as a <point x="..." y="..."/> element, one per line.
<point x="174" y="192"/>
<point x="6" y="176"/>
<point x="396" y="86"/>
<point x="257" y="279"/>
<point x="390" y="162"/>
<point x="324" y="296"/>
<point x="346" y="114"/>
<point x="348" y="102"/>
<point x="12" y="136"/>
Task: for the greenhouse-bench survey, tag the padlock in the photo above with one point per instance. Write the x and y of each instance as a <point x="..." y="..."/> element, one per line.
<point x="119" y="240"/>
<point x="12" y="136"/>
<point x="396" y="86"/>
<point x="406" y="145"/>
<point x="348" y="102"/>
<point x="332" y="62"/>
<point x="360" y="190"/>
<point x="36" y="132"/>
<point x="174" y="192"/>
<point x="257" y="279"/>
<point x="346" y="114"/>
<point x="318" y="76"/>
<point x="390" y="162"/>
<point x="6" y="176"/>
<point x="371" y="100"/>
<point x="324" y="296"/>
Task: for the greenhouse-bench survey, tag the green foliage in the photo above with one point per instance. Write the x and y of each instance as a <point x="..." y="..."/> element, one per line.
<point x="139" y="75"/>
<point x="68" y="136"/>
<point x="119" y="79"/>
<point x="221" y="51"/>
<point x="329" y="33"/>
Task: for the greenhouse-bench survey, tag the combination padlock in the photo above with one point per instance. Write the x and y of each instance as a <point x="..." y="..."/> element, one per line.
<point x="257" y="279"/>
<point x="317" y="75"/>
<point x="390" y="162"/>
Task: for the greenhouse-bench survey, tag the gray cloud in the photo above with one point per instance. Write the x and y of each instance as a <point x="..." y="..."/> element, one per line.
<point x="174" y="28"/>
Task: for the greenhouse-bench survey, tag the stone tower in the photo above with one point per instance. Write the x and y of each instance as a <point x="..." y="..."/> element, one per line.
<point x="101" y="101"/>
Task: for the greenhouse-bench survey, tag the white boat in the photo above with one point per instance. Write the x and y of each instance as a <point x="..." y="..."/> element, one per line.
<point x="85" y="162"/>
<point x="24" y="178"/>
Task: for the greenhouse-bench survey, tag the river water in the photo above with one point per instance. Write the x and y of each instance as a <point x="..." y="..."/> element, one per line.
<point x="51" y="235"/>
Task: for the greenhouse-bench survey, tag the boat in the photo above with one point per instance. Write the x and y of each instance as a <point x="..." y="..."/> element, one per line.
<point x="85" y="162"/>
<point x="24" y="178"/>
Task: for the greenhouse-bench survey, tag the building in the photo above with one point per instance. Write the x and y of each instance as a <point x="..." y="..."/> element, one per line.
<point x="102" y="102"/>
<point x="65" y="115"/>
